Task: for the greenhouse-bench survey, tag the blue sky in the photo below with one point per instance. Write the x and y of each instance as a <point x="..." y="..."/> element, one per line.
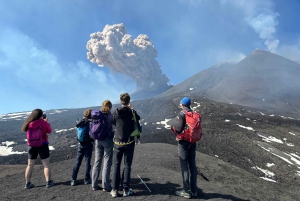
<point x="43" y="54"/>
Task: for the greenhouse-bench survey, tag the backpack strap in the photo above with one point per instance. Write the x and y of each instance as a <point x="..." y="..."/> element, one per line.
<point x="135" y="123"/>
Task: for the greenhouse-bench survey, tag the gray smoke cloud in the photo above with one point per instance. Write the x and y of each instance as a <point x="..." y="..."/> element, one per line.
<point x="116" y="49"/>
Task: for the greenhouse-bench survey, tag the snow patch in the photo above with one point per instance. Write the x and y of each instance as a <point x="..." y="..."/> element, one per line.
<point x="51" y="148"/>
<point x="64" y="130"/>
<point x="248" y="128"/>
<point x="14" y="116"/>
<point x="270" y="139"/>
<point x="164" y="123"/>
<point x="266" y="172"/>
<point x="295" y="155"/>
<point x="292" y="133"/>
<point x="6" y="150"/>
<point x="145" y="123"/>
<point x="270" y="164"/>
<point x="267" y="179"/>
<point x="197" y="105"/>
<point x="291" y="159"/>
<point x="8" y="143"/>
<point x="57" y="111"/>
<point x="74" y="145"/>
<point x="227" y="120"/>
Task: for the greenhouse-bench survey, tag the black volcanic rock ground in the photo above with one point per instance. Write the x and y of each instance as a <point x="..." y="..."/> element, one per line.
<point x="158" y="165"/>
<point x="229" y="155"/>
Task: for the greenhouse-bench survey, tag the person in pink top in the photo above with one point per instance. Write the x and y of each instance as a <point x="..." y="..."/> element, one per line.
<point x="37" y="120"/>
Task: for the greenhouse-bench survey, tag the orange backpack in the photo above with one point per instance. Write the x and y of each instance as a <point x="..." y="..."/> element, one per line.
<point x="193" y="130"/>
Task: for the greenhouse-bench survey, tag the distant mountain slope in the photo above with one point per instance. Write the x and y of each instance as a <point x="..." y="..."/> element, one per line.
<point x="262" y="80"/>
<point x="201" y="82"/>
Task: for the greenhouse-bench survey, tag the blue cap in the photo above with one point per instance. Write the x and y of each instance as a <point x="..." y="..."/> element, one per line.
<point x="186" y="101"/>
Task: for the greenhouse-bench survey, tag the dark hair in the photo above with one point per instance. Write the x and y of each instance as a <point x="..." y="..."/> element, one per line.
<point x="87" y="113"/>
<point x="106" y="106"/>
<point x="125" y="98"/>
<point x="35" y="115"/>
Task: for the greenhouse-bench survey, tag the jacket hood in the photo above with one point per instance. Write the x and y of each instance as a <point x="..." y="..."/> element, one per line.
<point x="35" y="124"/>
<point x="124" y="111"/>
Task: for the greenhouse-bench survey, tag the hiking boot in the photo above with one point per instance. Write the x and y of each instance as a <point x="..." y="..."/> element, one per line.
<point x="29" y="185"/>
<point x="114" y="193"/>
<point x="127" y="192"/>
<point x="184" y="194"/>
<point x="87" y="181"/>
<point x="194" y="194"/>
<point x="73" y="183"/>
<point x="50" y="183"/>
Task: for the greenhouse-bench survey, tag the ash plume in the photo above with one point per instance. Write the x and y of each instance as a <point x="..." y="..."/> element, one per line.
<point x="116" y="49"/>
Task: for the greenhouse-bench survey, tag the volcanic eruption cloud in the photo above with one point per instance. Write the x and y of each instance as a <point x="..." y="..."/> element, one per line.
<point x="116" y="49"/>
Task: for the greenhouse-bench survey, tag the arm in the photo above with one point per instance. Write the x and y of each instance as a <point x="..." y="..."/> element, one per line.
<point x="179" y="124"/>
<point x="48" y="127"/>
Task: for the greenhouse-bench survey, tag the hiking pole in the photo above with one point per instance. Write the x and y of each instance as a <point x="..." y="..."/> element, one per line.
<point x="144" y="183"/>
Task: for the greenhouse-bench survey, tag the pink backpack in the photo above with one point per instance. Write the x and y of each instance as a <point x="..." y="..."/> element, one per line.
<point x="34" y="137"/>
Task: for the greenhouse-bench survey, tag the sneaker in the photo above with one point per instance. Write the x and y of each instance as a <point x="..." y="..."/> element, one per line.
<point x="194" y="194"/>
<point x="127" y="192"/>
<point x="29" y="185"/>
<point x="184" y="194"/>
<point x="87" y="181"/>
<point x="50" y="183"/>
<point x="73" y="183"/>
<point x="114" y="193"/>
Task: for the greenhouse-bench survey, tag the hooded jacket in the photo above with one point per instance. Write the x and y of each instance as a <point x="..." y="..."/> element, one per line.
<point x="46" y="128"/>
<point x="123" y="120"/>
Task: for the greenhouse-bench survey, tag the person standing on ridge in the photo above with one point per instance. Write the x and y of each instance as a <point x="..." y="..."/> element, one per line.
<point x="37" y="125"/>
<point x="85" y="149"/>
<point x="187" y="148"/>
<point x="104" y="150"/>
<point x="124" y="145"/>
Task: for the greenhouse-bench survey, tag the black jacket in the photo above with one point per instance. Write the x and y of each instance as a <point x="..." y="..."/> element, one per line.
<point x="180" y="122"/>
<point x="123" y="120"/>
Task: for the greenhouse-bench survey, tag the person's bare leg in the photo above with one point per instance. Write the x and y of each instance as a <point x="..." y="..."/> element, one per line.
<point x="29" y="169"/>
<point x="47" y="171"/>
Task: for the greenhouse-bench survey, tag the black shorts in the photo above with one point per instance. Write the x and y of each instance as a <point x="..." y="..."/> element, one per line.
<point x="42" y="151"/>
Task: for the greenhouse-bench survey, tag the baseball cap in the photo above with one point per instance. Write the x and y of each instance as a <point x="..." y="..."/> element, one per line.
<point x="186" y="101"/>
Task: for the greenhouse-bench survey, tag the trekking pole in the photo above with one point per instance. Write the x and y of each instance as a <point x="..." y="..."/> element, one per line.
<point x="143" y="182"/>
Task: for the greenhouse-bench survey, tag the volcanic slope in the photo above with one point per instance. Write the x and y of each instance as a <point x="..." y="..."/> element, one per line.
<point x="261" y="80"/>
<point x="263" y="144"/>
